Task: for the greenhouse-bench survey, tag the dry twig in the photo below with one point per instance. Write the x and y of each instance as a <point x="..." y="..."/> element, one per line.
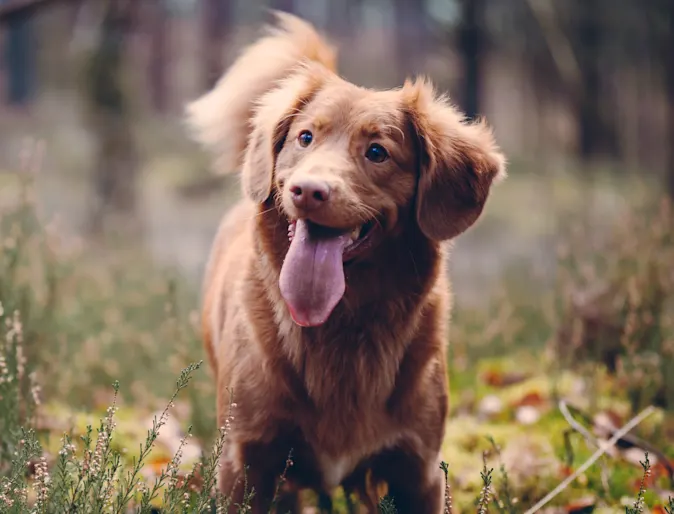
<point x="602" y="449"/>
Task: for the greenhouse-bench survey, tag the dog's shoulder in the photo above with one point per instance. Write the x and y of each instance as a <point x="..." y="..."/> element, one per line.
<point x="230" y="253"/>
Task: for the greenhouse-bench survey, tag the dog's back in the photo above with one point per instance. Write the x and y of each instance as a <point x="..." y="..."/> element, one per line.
<point x="229" y="256"/>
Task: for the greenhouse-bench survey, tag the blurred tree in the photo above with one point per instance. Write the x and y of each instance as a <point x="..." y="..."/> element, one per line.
<point x="577" y="34"/>
<point x="472" y="46"/>
<point x="286" y="5"/>
<point x="116" y="168"/>
<point x="158" y="55"/>
<point x="19" y="50"/>
<point x="12" y="7"/>
<point x="411" y="30"/>
<point x="667" y="53"/>
<point x="341" y="17"/>
<point x="595" y="134"/>
<point x="217" y="20"/>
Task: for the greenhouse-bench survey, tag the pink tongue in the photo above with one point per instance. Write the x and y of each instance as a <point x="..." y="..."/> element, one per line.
<point x="312" y="275"/>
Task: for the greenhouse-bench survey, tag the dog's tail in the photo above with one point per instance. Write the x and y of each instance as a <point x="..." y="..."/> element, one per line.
<point x="219" y="120"/>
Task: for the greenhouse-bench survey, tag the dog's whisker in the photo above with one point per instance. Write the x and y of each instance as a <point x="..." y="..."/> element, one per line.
<point x="260" y="213"/>
<point x="369" y="213"/>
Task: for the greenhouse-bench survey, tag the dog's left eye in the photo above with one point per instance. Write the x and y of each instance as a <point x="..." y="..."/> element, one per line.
<point x="305" y="138"/>
<point x="376" y="153"/>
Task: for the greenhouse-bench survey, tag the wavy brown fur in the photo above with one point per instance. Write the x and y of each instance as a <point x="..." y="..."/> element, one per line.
<point x="367" y="391"/>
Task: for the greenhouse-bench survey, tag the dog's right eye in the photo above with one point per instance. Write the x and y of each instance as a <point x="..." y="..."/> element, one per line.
<point x="305" y="138"/>
<point x="376" y="153"/>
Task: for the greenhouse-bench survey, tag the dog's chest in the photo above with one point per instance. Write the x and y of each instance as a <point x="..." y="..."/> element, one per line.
<point x="342" y="438"/>
<point x="348" y="381"/>
<point x="335" y="466"/>
<point x="335" y="469"/>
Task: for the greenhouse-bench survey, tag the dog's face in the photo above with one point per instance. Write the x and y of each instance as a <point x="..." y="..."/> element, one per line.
<point x="348" y="164"/>
<point x="343" y="164"/>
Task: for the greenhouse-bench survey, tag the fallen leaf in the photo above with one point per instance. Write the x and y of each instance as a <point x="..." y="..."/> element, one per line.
<point x="533" y="399"/>
<point x="496" y="378"/>
<point x="565" y="471"/>
<point x="582" y="505"/>
<point x="155" y="466"/>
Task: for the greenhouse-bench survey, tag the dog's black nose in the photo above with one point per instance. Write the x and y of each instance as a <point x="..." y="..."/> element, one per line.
<point x="309" y="194"/>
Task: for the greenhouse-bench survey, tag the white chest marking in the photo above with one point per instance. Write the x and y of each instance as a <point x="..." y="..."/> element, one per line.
<point x="334" y="470"/>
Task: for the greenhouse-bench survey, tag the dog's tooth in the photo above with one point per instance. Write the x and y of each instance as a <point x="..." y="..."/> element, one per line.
<point x="355" y="233"/>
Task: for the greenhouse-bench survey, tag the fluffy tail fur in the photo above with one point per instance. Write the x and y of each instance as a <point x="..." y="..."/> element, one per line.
<point x="219" y="120"/>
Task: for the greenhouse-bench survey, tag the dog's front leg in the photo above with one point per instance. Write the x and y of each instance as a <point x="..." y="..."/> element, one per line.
<point x="251" y="487"/>
<point x="415" y="486"/>
<point x="250" y="479"/>
<point x="425" y="497"/>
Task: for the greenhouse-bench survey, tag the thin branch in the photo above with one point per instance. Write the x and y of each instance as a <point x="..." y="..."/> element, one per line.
<point x="603" y="449"/>
<point x="17" y="6"/>
<point x="589" y="438"/>
<point x="575" y="425"/>
<point x="558" y="44"/>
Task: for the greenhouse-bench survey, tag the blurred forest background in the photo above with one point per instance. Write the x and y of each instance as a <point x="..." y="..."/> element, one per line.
<point x="570" y="268"/>
<point x="577" y="90"/>
<point x="582" y="85"/>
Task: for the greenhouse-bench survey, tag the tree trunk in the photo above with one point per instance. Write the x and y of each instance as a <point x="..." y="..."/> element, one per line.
<point x="589" y="122"/>
<point x="20" y="57"/>
<point x="9" y="8"/>
<point x="115" y="172"/>
<point x="596" y="135"/>
<point x="217" y="21"/>
<point x="410" y="36"/>
<point x="285" y="5"/>
<point x="158" y="56"/>
<point x="668" y="63"/>
<point x="471" y="44"/>
<point x="340" y="18"/>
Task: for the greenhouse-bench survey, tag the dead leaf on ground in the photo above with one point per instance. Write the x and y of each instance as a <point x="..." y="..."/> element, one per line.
<point x="496" y="378"/>
<point x="154" y="466"/>
<point x="582" y="505"/>
<point x="534" y="398"/>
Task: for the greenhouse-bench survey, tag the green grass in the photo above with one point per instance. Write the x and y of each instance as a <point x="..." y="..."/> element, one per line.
<point x="83" y="317"/>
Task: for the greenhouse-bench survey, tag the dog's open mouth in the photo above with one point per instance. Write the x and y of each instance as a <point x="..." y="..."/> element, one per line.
<point x="312" y="276"/>
<point x="360" y="238"/>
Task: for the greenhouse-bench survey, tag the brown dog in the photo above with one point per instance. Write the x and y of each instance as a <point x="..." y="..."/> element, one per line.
<point x="326" y="302"/>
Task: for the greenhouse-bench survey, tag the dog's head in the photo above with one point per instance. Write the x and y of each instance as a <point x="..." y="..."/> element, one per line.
<point x="348" y="167"/>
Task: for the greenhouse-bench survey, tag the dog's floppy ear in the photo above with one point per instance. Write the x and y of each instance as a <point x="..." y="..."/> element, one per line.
<point x="458" y="162"/>
<point x="270" y="125"/>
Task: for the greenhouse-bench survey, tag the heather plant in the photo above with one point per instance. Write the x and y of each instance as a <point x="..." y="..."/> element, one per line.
<point x="616" y="299"/>
<point x="670" y="508"/>
<point x="76" y="324"/>
<point x="19" y="394"/>
<point x="88" y="474"/>
<point x="486" y="493"/>
<point x="638" y="506"/>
